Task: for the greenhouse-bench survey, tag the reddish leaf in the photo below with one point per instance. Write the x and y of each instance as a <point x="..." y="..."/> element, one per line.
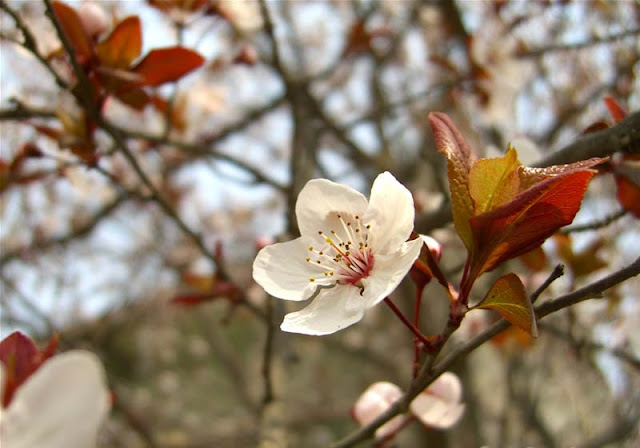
<point x="596" y="127"/>
<point x="512" y="339"/>
<point x="166" y="64"/>
<point x="452" y="144"/>
<point x="74" y="31"/>
<point x="524" y="223"/>
<point x="123" y="45"/>
<point x="615" y="109"/>
<point x="21" y="358"/>
<point x="210" y="289"/>
<point x="628" y="194"/>
<point x="580" y="263"/>
<point x="508" y="297"/>
<point x="535" y="259"/>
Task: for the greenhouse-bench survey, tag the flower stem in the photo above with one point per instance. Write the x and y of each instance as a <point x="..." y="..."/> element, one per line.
<point x="407" y="322"/>
<point x="416" y="324"/>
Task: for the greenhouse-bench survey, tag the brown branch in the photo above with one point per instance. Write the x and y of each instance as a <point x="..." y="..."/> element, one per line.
<point x="79" y="232"/>
<point x="428" y="375"/>
<point x="623" y="355"/>
<point x="536" y="52"/>
<point x="623" y="137"/>
<point x="31" y="45"/>
<point x="594" y="225"/>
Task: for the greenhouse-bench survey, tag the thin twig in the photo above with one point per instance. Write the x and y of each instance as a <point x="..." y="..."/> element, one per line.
<point x="428" y="375"/>
<point x="536" y="52"/>
<point x="594" y="225"/>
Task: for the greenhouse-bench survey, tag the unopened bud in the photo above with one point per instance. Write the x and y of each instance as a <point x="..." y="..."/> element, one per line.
<point x="374" y="401"/>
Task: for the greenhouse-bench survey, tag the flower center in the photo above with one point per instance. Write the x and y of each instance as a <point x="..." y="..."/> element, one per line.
<point x="343" y="256"/>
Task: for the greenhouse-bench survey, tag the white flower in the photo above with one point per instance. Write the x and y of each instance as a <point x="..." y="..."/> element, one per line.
<point x="373" y="402"/>
<point x="351" y="254"/>
<point x="60" y="406"/>
<point x="438" y="406"/>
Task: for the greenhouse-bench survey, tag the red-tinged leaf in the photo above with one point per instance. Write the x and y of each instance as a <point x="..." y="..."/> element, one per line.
<point x="167" y="64"/>
<point x="508" y="297"/>
<point x="531" y="176"/>
<point x="524" y="223"/>
<point x="203" y="283"/>
<point x="580" y="263"/>
<point x="73" y="30"/>
<point x="135" y="98"/>
<point x="535" y="259"/>
<point x="123" y="45"/>
<point x="53" y="133"/>
<point x="219" y="290"/>
<point x="493" y="182"/>
<point x="618" y="113"/>
<point x="596" y="127"/>
<point x="192" y="299"/>
<point x="21" y="358"/>
<point x="452" y="144"/>
<point x="512" y="339"/>
<point x="628" y="194"/>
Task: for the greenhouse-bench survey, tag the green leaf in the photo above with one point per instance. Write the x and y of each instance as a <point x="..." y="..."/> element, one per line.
<point x="508" y="297"/>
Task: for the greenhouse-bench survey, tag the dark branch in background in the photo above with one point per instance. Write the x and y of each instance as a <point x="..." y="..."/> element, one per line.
<point x="619" y="431"/>
<point x="79" y="232"/>
<point x="579" y="45"/>
<point x="31" y="45"/>
<point x="623" y="355"/>
<point x="594" y="225"/>
<point x="624" y="138"/>
<point x="430" y="373"/>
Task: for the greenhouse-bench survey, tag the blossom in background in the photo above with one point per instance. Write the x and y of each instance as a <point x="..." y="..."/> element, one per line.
<point x="438" y="406"/>
<point x="50" y="401"/>
<point x="351" y="253"/>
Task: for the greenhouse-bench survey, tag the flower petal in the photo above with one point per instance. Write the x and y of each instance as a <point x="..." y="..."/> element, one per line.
<point x="283" y="271"/>
<point x="61" y="405"/>
<point x="390" y="213"/>
<point x="448" y="387"/>
<point x="374" y="401"/>
<point x="319" y="199"/>
<point x="332" y="310"/>
<point x="436" y="413"/>
<point x="439" y="405"/>
<point x="388" y="271"/>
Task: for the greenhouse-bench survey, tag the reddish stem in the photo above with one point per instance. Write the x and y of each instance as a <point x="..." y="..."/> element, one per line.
<point x="407" y="322"/>
<point x="416" y="324"/>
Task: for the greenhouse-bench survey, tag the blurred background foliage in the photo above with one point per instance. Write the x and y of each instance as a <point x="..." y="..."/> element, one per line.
<point x="140" y="247"/>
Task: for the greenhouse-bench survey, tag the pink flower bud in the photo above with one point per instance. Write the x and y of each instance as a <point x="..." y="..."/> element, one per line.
<point x="438" y="406"/>
<point x="374" y="401"/>
<point x="434" y="246"/>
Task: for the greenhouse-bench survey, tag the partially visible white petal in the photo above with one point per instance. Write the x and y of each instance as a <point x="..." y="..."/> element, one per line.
<point x="61" y="405"/>
<point x="374" y="401"/>
<point x="390" y="213"/>
<point x="388" y="271"/>
<point x="320" y="199"/>
<point x="439" y="405"/>
<point x="283" y="271"/>
<point x="447" y="386"/>
<point x="332" y="310"/>
<point x="433" y="245"/>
